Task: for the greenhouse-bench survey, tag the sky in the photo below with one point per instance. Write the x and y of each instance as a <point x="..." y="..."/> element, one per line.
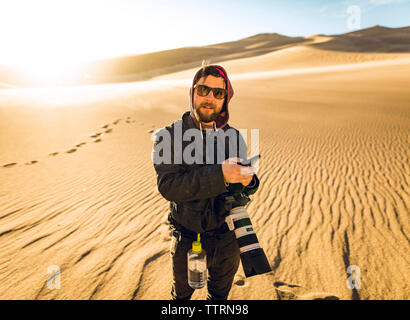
<point x="55" y="31"/>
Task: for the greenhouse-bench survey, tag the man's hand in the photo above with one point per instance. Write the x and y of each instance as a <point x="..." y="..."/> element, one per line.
<point x="235" y="173"/>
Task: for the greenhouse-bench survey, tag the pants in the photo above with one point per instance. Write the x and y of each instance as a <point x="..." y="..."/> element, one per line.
<point x="222" y="254"/>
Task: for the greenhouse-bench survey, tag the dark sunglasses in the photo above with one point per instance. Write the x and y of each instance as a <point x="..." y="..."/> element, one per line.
<point x="203" y="91"/>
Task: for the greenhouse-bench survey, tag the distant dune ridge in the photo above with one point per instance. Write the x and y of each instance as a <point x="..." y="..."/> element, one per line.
<point x="78" y="189"/>
<point x="145" y="66"/>
<point x="374" y="39"/>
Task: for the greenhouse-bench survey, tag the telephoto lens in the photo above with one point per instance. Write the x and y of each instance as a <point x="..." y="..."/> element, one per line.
<point x="253" y="257"/>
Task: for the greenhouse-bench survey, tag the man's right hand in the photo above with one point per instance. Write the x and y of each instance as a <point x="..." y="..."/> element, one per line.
<point x="235" y="173"/>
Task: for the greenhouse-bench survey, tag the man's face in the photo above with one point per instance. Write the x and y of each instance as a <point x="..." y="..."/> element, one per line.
<point x="208" y="108"/>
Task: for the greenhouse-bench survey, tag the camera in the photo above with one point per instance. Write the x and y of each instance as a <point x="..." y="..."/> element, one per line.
<point x="253" y="257"/>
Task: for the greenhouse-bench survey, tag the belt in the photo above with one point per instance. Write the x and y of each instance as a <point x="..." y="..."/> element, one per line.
<point x="207" y="234"/>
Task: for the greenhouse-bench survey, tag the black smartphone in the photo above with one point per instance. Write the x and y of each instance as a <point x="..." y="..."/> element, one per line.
<point x="249" y="162"/>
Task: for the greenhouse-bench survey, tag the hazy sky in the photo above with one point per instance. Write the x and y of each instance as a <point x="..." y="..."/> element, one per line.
<point x="46" y="31"/>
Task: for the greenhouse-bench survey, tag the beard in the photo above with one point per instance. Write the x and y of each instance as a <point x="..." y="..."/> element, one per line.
<point x="206" y="115"/>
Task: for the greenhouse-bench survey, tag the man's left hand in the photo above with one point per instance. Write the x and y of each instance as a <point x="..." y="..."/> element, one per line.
<point x="247" y="180"/>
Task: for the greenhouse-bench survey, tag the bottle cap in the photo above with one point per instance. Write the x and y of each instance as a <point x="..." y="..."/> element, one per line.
<point x="196" y="246"/>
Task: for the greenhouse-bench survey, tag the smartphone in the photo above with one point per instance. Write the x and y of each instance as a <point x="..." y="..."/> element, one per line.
<point x="249" y="162"/>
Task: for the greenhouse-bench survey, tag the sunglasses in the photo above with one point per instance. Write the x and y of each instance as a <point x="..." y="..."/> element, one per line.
<point x="203" y="91"/>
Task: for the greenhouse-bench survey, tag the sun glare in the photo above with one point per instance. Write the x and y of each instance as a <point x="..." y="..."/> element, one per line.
<point x="48" y="41"/>
<point x="50" y="72"/>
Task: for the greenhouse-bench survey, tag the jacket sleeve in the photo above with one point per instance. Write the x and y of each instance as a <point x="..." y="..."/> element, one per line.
<point x="253" y="186"/>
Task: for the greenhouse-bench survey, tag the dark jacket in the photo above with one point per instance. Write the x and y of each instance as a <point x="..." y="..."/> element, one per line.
<point x="196" y="191"/>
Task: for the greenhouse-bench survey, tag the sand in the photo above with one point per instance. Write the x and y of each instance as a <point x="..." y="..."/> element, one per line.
<point x="78" y="189"/>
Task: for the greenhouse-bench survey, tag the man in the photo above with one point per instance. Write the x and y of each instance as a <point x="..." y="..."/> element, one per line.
<point x="196" y="189"/>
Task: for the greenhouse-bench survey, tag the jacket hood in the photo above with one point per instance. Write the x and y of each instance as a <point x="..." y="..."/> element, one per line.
<point x="223" y="117"/>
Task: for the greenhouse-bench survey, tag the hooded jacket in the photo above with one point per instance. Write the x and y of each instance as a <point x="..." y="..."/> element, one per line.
<point x="196" y="190"/>
<point x="223" y="117"/>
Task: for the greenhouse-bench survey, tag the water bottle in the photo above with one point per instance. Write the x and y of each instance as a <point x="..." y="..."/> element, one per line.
<point x="197" y="271"/>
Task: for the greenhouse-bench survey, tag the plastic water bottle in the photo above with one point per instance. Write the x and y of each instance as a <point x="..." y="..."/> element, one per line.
<point x="197" y="270"/>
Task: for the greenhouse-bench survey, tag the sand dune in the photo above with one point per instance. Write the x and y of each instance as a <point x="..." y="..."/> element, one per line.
<point x="334" y="192"/>
<point x="295" y="57"/>
<point x="274" y="51"/>
<point x="146" y="66"/>
<point x="372" y="39"/>
<point x="383" y="42"/>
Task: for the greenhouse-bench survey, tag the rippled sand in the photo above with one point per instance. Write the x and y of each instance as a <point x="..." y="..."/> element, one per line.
<point x="334" y="183"/>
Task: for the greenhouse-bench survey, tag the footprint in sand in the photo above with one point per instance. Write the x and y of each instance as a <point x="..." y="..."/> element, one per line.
<point x="285" y="291"/>
<point x="80" y="144"/>
<point x="31" y="162"/>
<point x="240" y="281"/>
<point x="9" y="164"/>
<point x="95" y="135"/>
<point x="318" y="296"/>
